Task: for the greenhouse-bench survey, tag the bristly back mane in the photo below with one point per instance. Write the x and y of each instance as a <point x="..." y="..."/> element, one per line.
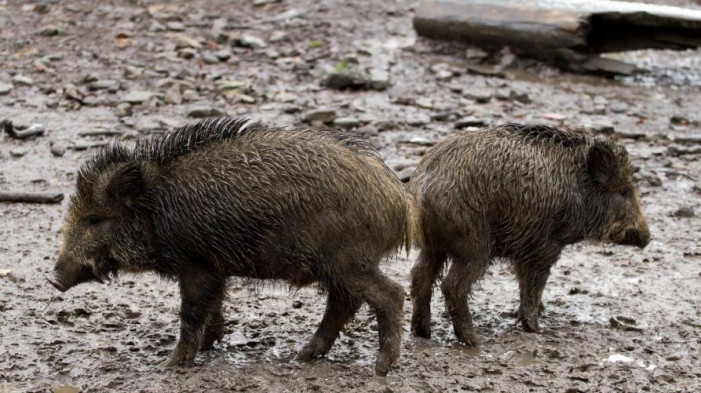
<point x="568" y="138"/>
<point x="194" y="136"/>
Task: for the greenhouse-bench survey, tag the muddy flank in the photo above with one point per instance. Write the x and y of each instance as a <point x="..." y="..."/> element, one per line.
<point x="616" y="318"/>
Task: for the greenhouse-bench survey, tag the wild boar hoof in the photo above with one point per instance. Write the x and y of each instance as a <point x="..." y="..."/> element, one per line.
<point x="313" y="349"/>
<point x="421" y="329"/>
<point x="467" y="337"/>
<point x="385" y="361"/>
<point x="181" y="358"/>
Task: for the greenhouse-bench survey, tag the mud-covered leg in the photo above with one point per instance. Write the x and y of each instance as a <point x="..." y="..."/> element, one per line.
<point x="214" y="328"/>
<point x="456" y="288"/>
<point x="340" y="308"/>
<point x="198" y="291"/>
<point x="423" y="275"/>
<point x="386" y="298"/>
<point x="532" y="279"/>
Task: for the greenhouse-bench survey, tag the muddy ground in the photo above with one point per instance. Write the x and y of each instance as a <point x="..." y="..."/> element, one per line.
<point x="71" y="66"/>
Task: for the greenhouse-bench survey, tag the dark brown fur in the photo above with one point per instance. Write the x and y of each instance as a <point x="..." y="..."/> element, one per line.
<point x="224" y="198"/>
<point x="520" y="193"/>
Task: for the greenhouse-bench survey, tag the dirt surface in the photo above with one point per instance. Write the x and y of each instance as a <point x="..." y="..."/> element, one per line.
<point x="70" y="66"/>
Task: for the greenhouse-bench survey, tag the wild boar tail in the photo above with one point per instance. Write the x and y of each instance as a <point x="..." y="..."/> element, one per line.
<point x="413" y="227"/>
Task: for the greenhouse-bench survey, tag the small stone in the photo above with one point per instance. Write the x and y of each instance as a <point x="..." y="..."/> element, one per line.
<point x="618" y="107"/>
<point x="22" y="80"/>
<point x="297" y="304"/>
<point x="320" y="115"/>
<point x="481" y="97"/>
<point x="284" y="96"/>
<point x="48" y="31"/>
<point x="35" y="129"/>
<point x="418" y="119"/>
<point x="444" y="75"/>
<point x="486" y="70"/>
<point x="156" y="27"/>
<point x="110" y="85"/>
<point x="57" y="150"/>
<point x="367" y="131"/>
<point x="651" y="178"/>
<point x="520" y="96"/>
<point x="131" y="72"/>
<point x="258" y="3"/>
<point x="349" y="78"/>
<point x="187" y="53"/>
<point x="502" y="94"/>
<point x="5" y="88"/>
<point x="555" y="116"/>
<point x="405" y="174"/>
<point x="684" y="212"/>
<point x="183" y="41"/>
<point x="424" y="102"/>
<point x="346" y="122"/>
<point x="246" y="99"/>
<point x="123" y="110"/>
<point x="230" y="86"/>
<point x="470" y="121"/>
<point x="175" y="26"/>
<point x="378" y="80"/>
<point x="251" y="41"/>
<point x="679" y="120"/>
<point x="222" y="55"/>
<point x="200" y="111"/>
<point x="173" y="96"/>
<point x="71" y="91"/>
<point x="18" y="152"/>
<point x="278" y="35"/>
<point x="209" y="58"/>
<point x="137" y="97"/>
<point x="190" y="95"/>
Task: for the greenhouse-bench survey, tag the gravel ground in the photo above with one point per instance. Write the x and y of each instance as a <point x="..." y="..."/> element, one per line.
<point x="89" y="72"/>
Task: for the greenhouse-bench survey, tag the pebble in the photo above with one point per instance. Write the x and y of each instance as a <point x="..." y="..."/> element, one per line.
<point x="209" y="58"/>
<point x="470" y="121"/>
<point x="651" y="178"/>
<point x="110" y="85"/>
<point x="346" y="122"/>
<point x="48" y="31"/>
<point x="251" y="41"/>
<point x="320" y="115"/>
<point x="22" y="80"/>
<point x="404" y="175"/>
<point x="123" y="110"/>
<point x="684" y="212"/>
<point x="18" y="152"/>
<point x="173" y="95"/>
<point x="187" y="53"/>
<point x="367" y="131"/>
<point x="479" y="97"/>
<point x="57" y="150"/>
<point x="418" y="119"/>
<point x="341" y="79"/>
<point x="379" y="80"/>
<point x="520" y="96"/>
<point x="5" y="88"/>
<point x="200" y="111"/>
<point x="137" y="96"/>
<point x="222" y="55"/>
<point x="230" y="86"/>
<point x="297" y="304"/>
<point x="71" y="91"/>
<point x="175" y="26"/>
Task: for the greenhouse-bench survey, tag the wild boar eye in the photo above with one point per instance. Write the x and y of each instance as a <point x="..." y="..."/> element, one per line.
<point x="94" y="220"/>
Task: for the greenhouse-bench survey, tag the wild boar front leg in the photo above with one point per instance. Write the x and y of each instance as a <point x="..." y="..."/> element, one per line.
<point x="199" y="291"/>
<point x="214" y="329"/>
<point x="532" y="277"/>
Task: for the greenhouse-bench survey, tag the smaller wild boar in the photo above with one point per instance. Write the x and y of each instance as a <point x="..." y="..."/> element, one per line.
<point x="226" y="197"/>
<point x="520" y="193"/>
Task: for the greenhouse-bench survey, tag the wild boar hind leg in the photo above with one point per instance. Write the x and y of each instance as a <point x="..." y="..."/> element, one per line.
<point x="201" y="295"/>
<point x="340" y="309"/>
<point x="466" y="270"/>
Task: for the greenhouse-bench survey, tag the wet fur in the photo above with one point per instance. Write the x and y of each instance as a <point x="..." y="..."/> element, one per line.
<point x="520" y="193"/>
<point x="229" y="198"/>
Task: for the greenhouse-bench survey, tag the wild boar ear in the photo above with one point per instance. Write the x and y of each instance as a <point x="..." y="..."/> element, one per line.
<point x="602" y="164"/>
<point x="126" y="185"/>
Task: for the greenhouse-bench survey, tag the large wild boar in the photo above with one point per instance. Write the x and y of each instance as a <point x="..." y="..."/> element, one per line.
<point x="520" y="193"/>
<point x="225" y="197"/>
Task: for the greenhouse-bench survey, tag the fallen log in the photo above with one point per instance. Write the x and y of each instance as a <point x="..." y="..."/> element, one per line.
<point x="31" y="197"/>
<point x="571" y="32"/>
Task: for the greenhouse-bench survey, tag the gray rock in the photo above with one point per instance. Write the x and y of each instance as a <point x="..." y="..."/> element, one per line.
<point x="618" y="107"/>
<point x="481" y="97"/>
<point x="110" y="85"/>
<point x="173" y="95"/>
<point x="346" y="78"/>
<point x="520" y="96"/>
<point x="684" y="212"/>
<point x="156" y="27"/>
<point x="5" y="88"/>
<point x="651" y="178"/>
<point x="418" y="119"/>
<point x="131" y="72"/>
<point x="222" y="55"/>
<point x="379" y="80"/>
<point x="405" y="174"/>
<point x="486" y="70"/>
<point x="123" y="110"/>
<point x="48" y="31"/>
<point x="258" y="3"/>
<point x="320" y="115"/>
<point x="187" y="53"/>
<point x="190" y="95"/>
<point x="175" y="26"/>
<point x="419" y="141"/>
<point x="209" y="58"/>
<point x="71" y="91"/>
<point x="18" y="152"/>
<point x="57" y="150"/>
<point x="251" y="41"/>
<point x="137" y="97"/>
<point x="200" y="111"/>
<point x="22" y="80"/>
<point x="470" y="121"/>
<point x="346" y="122"/>
<point x="367" y="131"/>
